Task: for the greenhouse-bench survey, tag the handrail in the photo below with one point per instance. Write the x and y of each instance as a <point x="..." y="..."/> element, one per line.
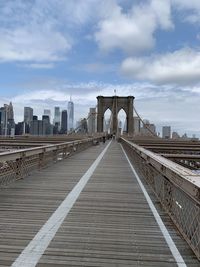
<point x="8" y="155"/>
<point x="187" y="180"/>
<point x="15" y="165"/>
<point x="176" y="187"/>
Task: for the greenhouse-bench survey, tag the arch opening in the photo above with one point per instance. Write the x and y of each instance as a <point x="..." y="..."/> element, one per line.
<point x="122" y="122"/>
<point x="107" y="121"/>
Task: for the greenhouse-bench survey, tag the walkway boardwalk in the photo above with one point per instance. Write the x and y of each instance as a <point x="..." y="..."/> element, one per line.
<point x="110" y="223"/>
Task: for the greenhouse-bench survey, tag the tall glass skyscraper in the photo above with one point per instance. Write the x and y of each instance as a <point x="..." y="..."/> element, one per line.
<point x="70" y="115"/>
<point x="64" y="120"/>
<point x="56" y="120"/>
<point x="48" y="113"/>
<point x="28" y="115"/>
<point x="7" y="123"/>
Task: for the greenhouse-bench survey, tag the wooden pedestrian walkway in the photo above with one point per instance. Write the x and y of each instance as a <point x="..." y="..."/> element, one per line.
<point x="109" y="222"/>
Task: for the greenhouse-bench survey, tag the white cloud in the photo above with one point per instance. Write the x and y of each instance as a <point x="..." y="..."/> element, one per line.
<point x="36" y="45"/>
<point x="43" y="31"/>
<point x="185" y="4"/>
<point x="132" y="31"/>
<point x="96" y="67"/>
<point x="162" y="10"/>
<point x="179" y="67"/>
<point x="33" y="30"/>
<point x="190" y="8"/>
<point x="39" y="65"/>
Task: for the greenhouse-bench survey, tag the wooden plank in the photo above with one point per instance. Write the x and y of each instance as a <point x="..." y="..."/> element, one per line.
<point x="27" y="204"/>
<point x="109" y="225"/>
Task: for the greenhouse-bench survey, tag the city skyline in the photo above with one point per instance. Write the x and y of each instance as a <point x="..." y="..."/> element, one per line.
<point x="59" y="124"/>
<point x="51" y="50"/>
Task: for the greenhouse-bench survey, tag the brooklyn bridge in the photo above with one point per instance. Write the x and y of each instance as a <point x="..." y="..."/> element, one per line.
<point x="100" y="200"/>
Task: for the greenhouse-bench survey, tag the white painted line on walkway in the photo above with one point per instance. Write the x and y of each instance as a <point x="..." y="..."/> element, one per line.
<point x="177" y="256"/>
<point x="31" y="255"/>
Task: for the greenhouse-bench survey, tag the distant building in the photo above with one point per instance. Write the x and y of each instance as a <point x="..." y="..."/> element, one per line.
<point x="125" y="127"/>
<point x="148" y="129"/>
<point x="7" y="123"/>
<point x="34" y="127"/>
<point x="28" y="114"/>
<point x="41" y="127"/>
<point x="28" y="118"/>
<point x="56" y="128"/>
<point x="119" y="129"/>
<point x="70" y="115"/>
<point x="41" y="130"/>
<point x="175" y="135"/>
<point x="47" y="127"/>
<point x="64" y="122"/>
<point x="2" y="120"/>
<point x="10" y="119"/>
<point x="184" y="136"/>
<point x="46" y="118"/>
<point x="92" y="121"/>
<point x="166" y="132"/>
<point x="48" y="113"/>
<point x="19" y="128"/>
<point x="106" y="126"/>
<point x="56" y="120"/>
<point x="136" y="125"/>
<point x="10" y="111"/>
<point x="35" y="118"/>
<point x="83" y="127"/>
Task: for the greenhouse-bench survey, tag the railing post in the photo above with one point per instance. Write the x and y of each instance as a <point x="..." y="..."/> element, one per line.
<point x="64" y="152"/>
<point x="55" y="155"/>
<point x="41" y="162"/>
<point x="19" y="169"/>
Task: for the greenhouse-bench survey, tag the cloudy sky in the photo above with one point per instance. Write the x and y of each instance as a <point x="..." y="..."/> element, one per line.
<point x="150" y="49"/>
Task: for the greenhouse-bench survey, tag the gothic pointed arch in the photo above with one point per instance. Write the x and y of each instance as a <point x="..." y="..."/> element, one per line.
<point x="115" y="104"/>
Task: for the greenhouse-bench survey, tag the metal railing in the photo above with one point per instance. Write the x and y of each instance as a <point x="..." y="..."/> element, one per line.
<point x="18" y="164"/>
<point x="176" y="187"/>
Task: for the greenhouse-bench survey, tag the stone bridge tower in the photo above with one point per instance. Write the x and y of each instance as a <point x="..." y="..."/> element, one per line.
<point x="115" y="104"/>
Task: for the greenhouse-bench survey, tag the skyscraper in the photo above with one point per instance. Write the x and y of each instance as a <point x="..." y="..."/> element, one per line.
<point x="136" y="125"/>
<point x="48" y="113"/>
<point x="92" y="121"/>
<point x="47" y="127"/>
<point x="64" y="120"/>
<point x="56" y="120"/>
<point x="11" y="122"/>
<point x="28" y="115"/>
<point x="28" y="118"/>
<point x="70" y="115"/>
<point x="7" y="120"/>
<point x="166" y="132"/>
<point x="3" y="120"/>
<point x="10" y="112"/>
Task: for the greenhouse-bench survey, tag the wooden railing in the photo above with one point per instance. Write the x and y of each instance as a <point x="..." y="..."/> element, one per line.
<point x="176" y="187"/>
<point x="17" y="164"/>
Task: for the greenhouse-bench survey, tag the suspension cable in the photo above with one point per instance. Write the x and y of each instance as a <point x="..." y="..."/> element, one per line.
<point x="79" y="126"/>
<point x="144" y="124"/>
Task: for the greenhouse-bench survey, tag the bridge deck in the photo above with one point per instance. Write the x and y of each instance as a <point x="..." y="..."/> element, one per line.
<point x="110" y="223"/>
